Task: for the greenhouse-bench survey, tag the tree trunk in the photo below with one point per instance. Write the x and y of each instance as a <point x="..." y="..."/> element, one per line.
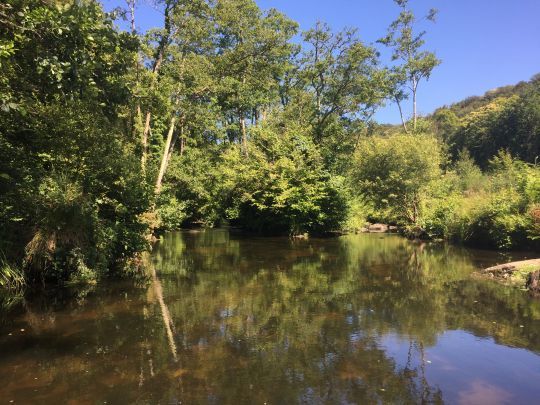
<point x="145" y="142"/>
<point x="182" y="141"/>
<point x="244" y="134"/>
<point x="401" y="115"/>
<point x="160" y="55"/>
<point x="167" y="152"/>
<point x="414" y="104"/>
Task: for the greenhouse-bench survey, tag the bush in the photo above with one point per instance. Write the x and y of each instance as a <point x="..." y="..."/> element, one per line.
<point x="493" y="210"/>
<point x="396" y="173"/>
<point x="172" y="213"/>
<point x="283" y="186"/>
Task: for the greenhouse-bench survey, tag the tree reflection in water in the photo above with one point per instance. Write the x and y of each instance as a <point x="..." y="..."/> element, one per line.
<point x="258" y="320"/>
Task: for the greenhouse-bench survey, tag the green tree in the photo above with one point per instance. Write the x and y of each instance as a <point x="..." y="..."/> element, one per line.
<point x="396" y="173"/>
<point x="253" y="49"/>
<point x="342" y="76"/>
<point x="415" y="64"/>
<point x="70" y="193"/>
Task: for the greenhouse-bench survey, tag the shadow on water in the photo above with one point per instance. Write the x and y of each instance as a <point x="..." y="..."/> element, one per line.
<point x="355" y="319"/>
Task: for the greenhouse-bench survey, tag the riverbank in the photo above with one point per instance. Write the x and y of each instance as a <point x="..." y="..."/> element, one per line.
<point x="525" y="274"/>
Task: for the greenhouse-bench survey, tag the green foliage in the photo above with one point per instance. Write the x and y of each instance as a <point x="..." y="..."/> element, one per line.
<point x="492" y="210"/>
<point x="194" y="192"/>
<point x="341" y="75"/>
<point x="70" y="189"/>
<point x="281" y="188"/>
<point x="396" y="173"/>
<point x="10" y="277"/>
<point x="506" y="118"/>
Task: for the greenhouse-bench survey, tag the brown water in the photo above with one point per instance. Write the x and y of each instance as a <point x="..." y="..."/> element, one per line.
<point x="235" y="319"/>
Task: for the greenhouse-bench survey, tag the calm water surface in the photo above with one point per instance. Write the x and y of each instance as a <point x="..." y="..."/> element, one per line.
<point x="233" y="319"/>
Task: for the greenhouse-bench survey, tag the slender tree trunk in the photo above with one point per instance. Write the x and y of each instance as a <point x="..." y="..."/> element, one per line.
<point x="182" y="141"/>
<point x="146" y="131"/>
<point x="244" y="134"/>
<point x="131" y="5"/>
<point x="401" y="115"/>
<point x="144" y="141"/>
<point x="160" y="55"/>
<point x="167" y="152"/>
<point x="243" y="129"/>
<point x="414" y="104"/>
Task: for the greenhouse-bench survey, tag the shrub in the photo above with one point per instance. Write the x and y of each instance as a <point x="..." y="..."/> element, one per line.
<point x="395" y="173"/>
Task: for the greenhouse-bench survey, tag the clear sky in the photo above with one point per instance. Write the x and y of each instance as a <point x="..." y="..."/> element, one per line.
<point x="483" y="44"/>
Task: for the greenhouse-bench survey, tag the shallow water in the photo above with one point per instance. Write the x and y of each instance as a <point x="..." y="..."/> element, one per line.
<point x="235" y="319"/>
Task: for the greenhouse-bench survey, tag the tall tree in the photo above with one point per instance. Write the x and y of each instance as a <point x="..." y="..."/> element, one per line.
<point x="341" y="74"/>
<point x="415" y="64"/>
<point x="188" y="73"/>
<point x="253" y="50"/>
<point x="162" y="39"/>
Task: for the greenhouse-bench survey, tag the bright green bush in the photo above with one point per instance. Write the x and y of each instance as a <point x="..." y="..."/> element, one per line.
<point x="396" y="173"/>
<point x="493" y="210"/>
<point x="283" y="187"/>
<point x="172" y="213"/>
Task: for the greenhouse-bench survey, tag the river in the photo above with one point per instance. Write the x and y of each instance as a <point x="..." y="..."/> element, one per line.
<point x="231" y="319"/>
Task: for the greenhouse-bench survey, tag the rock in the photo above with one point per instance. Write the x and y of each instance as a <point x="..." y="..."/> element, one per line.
<point x="376" y="228"/>
<point x="526" y="272"/>
<point x="533" y="282"/>
<point x="511" y="267"/>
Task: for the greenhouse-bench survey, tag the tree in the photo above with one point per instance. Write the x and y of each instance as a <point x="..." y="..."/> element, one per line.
<point x="395" y="173"/>
<point x="187" y="75"/>
<point x="70" y="186"/>
<point x="415" y="64"/>
<point x="253" y="51"/>
<point x="341" y="74"/>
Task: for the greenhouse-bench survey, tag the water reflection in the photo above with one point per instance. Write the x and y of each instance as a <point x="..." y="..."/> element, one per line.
<point x="357" y="319"/>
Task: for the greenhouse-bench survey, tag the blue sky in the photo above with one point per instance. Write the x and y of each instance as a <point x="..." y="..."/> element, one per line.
<point x="483" y="44"/>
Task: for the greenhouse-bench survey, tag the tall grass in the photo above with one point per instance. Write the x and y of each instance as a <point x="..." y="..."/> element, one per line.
<point x="11" y="277"/>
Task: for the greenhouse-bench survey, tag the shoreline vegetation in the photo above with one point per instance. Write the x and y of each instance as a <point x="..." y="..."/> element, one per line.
<point x="217" y="117"/>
